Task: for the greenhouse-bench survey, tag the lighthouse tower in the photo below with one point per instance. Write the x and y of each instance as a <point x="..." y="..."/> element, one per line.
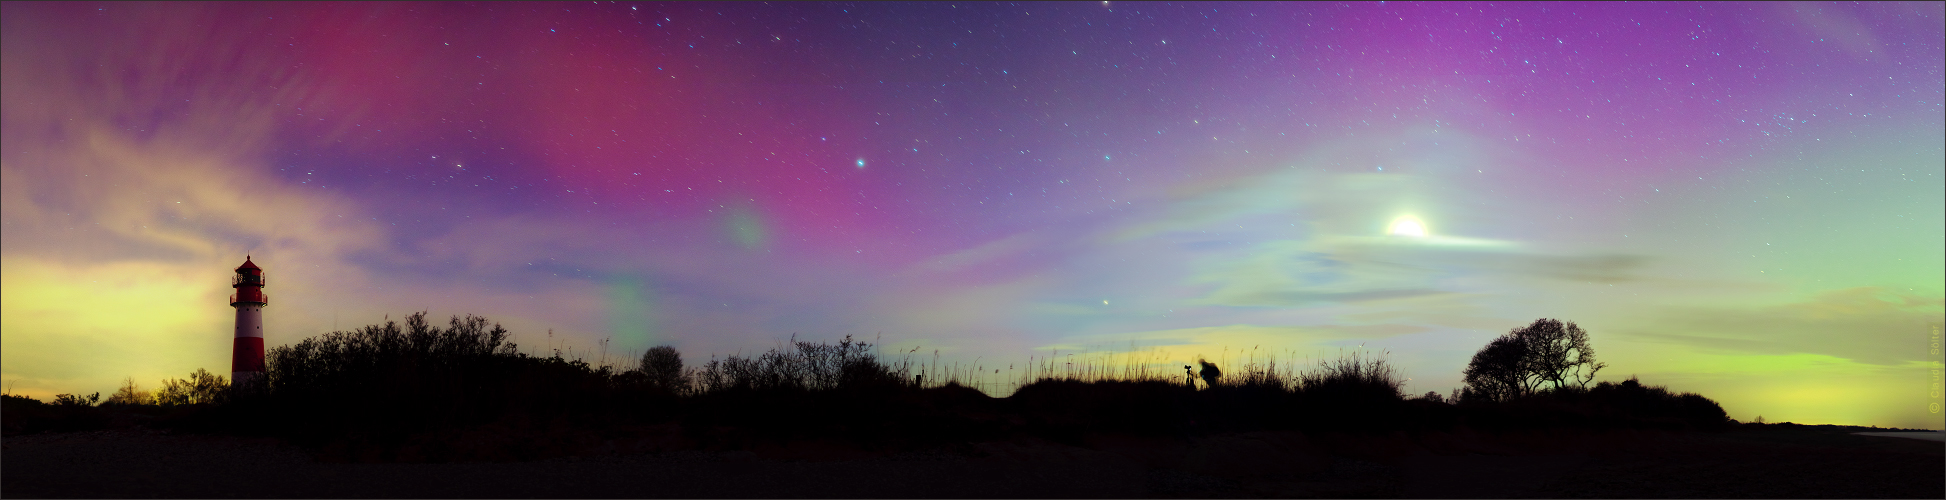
<point x="247" y="361"/>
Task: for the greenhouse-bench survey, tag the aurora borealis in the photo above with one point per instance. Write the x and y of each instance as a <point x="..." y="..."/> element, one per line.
<point x="1739" y="199"/>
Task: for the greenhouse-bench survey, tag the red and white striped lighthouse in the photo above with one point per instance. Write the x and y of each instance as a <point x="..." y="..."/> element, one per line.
<point x="247" y="361"/>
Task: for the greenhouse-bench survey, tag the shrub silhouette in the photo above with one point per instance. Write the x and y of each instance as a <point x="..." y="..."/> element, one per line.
<point x="806" y="366"/>
<point x="21" y="414"/>
<point x="201" y="387"/>
<point x="1656" y="404"/>
<point x="67" y="413"/>
<point x="1628" y="404"/>
<point x="384" y="382"/>
<point x="1352" y="392"/>
<point x="387" y="384"/>
<point x="73" y="400"/>
<point x="1353" y="376"/>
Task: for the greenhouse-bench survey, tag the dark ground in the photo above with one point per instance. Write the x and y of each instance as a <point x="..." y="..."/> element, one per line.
<point x="1749" y="462"/>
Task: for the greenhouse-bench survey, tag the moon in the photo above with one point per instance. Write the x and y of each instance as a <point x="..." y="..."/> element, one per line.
<point x="1407" y="226"/>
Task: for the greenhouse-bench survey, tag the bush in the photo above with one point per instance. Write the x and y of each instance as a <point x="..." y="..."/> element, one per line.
<point x="806" y="366"/>
<point x="201" y="387"/>
<point x="389" y="381"/>
<point x="1628" y="404"/>
<point x="1352" y="392"/>
<point x="1656" y="404"/>
<point x="73" y="400"/>
<point x="67" y="413"/>
<point x="382" y="385"/>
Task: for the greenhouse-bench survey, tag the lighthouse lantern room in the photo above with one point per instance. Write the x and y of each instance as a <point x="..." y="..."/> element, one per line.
<point x="247" y="360"/>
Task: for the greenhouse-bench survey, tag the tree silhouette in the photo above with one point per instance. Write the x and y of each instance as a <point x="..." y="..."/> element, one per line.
<point x="1558" y="353"/>
<point x="663" y="365"/>
<point x="1547" y="354"/>
<point x="1497" y="371"/>
<point x="129" y="394"/>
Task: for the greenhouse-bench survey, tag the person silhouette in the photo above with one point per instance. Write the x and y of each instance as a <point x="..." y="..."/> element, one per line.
<point x="1210" y="373"/>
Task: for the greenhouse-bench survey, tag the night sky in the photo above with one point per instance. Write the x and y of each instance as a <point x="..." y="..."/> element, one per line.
<point x="1742" y="200"/>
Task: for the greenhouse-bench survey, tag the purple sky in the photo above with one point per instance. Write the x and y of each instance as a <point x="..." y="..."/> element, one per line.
<point x="1741" y="199"/>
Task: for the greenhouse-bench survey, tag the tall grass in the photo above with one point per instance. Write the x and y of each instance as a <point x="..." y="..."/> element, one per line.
<point x="1357" y="376"/>
<point x="1253" y="368"/>
<point x="1127" y="366"/>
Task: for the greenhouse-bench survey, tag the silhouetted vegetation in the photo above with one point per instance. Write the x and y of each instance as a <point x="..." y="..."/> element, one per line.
<point x="71" y="400"/>
<point x="418" y="391"/>
<point x="1547" y="354"/>
<point x="1537" y="376"/>
<point x="383" y="384"/>
<point x="662" y="370"/>
<point x="67" y="413"/>
<point x="201" y="387"/>
<point x="130" y="394"/>
<point x="1607" y="404"/>
<point x="807" y="366"/>
<point x="1353" y="392"/>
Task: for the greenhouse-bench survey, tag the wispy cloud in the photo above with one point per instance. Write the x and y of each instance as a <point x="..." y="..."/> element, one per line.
<point x="1860" y="324"/>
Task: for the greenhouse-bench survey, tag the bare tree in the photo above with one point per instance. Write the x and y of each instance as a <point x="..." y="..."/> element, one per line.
<point x="1547" y="354"/>
<point x="129" y="394"/>
<point x="1558" y="354"/>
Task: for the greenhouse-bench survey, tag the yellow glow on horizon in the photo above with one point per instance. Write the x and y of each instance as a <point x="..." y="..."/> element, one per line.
<point x="68" y="327"/>
<point x="1802" y="387"/>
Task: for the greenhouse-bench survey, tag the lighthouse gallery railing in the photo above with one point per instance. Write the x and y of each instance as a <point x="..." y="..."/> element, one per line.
<point x="263" y="298"/>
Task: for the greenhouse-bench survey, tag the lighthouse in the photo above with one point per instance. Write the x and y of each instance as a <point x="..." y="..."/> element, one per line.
<point x="247" y="360"/>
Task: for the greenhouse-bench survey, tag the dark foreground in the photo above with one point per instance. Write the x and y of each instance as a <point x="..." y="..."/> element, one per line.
<point x="1748" y="462"/>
